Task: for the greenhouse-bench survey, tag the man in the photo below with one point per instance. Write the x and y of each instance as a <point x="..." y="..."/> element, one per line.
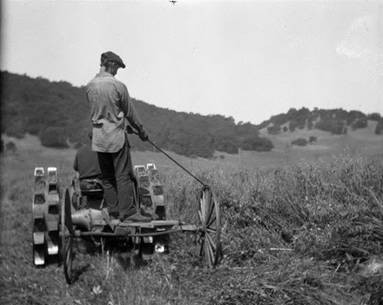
<point x="86" y="163"/>
<point x="110" y="107"/>
<point x="89" y="176"/>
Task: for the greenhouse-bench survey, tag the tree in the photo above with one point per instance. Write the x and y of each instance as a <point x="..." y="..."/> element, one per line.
<point x="310" y="124"/>
<point x="292" y="125"/>
<point x="332" y="125"/>
<point x="359" y="123"/>
<point x="275" y="129"/>
<point x="354" y="115"/>
<point x="374" y="116"/>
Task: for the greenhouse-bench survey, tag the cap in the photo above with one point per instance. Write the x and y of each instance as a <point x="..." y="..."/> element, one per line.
<point x="110" y="56"/>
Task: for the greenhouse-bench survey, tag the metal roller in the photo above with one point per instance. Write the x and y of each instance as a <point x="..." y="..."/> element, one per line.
<point x="38" y="206"/>
<point x="52" y="214"/>
<point x="38" y="238"/>
<point x="52" y="243"/>
<point x="39" y="209"/>
<point x="39" y="255"/>
<point x="53" y="198"/>
<point x="52" y="178"/>
<point x="45" y="211"/>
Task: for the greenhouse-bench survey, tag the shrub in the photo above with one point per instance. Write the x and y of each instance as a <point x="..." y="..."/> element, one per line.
<point x="257" y="144"/>
<point x="10" y="147"/>
<point x="312" y="139"/>
<point x="299" y="142"/>
<point x="379" y="127"/>
<point x="54" y="137"/>
<point x="227" y="146"/>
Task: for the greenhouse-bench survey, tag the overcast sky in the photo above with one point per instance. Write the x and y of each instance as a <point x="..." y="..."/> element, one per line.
<point x="246" y="59"/>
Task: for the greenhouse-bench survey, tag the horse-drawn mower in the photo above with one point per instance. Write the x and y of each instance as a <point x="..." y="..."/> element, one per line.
<point x="63" y="215"/>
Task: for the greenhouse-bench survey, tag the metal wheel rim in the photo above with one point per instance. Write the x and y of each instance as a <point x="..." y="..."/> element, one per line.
<point x="209" y="214"/>
<point x="66" y="242"/>
<point x="68" y="260"/>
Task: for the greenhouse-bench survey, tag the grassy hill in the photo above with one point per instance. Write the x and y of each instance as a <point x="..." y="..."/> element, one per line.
<point x="321" y="132"/>
<point x="362" y="140"/>
<point x="58" y="113"/>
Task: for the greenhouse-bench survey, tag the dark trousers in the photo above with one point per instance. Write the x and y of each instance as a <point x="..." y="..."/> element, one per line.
<point x="118" y="180"/>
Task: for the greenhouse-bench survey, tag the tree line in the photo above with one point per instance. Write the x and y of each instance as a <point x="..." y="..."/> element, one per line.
<point x="335" y="121"/>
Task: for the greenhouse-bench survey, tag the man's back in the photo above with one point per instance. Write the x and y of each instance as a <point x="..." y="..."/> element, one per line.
<point x="86" y="163"/>
<point x="104" y="96"/>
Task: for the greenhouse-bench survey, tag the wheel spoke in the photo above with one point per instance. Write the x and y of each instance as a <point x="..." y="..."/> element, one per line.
<point x="211" y="215"/>
<point x="200" y="216"/>
<point x="203" y="206"/>
<point x="211" y="242"/>
<point x="211" y="231"/>
<point x="202" y="246"/>
<point x="215" y="217"/>
<point x="210" y="253"/>
<point x="212" y="220"/>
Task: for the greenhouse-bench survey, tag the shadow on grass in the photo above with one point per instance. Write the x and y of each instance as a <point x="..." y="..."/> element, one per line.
<point x="78" y="271"/>
<point x="130" y="261"/>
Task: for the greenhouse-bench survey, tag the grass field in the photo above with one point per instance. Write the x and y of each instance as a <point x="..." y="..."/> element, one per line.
<point x="302" y="226"/>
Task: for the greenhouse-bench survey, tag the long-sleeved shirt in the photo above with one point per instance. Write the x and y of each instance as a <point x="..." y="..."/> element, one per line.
<point x="110" y="105"/>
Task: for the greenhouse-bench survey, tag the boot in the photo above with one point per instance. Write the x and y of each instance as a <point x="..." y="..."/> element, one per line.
<point x="153" y="216"/>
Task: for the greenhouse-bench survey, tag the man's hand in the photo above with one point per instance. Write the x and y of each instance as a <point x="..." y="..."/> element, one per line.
<point x="141" y="132"/>
<point x="129" y="129"/>
<point x="143" y="135"/>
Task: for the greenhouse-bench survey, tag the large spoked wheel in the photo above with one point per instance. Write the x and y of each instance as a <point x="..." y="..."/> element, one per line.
<point x="67" y="234"/>
<point x="210" y="216"/>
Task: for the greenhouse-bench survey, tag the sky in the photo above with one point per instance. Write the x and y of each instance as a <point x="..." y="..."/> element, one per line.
<point x="245" y="59"/>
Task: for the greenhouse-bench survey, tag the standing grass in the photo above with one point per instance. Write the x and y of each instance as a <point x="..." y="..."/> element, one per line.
<point x="299" y="234"/>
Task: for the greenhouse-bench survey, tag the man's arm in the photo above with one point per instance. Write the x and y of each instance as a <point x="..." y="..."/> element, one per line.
<point x="130" y="112"/>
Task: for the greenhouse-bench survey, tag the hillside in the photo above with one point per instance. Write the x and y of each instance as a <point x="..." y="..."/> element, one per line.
<point x="334" y="121"/>
<point x="58" y="112"/>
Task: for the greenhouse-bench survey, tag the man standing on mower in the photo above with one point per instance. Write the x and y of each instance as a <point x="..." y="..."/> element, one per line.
<point x="111" y="106"/>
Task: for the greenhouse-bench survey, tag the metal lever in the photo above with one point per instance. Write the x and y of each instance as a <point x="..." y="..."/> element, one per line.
<point x="130" y="130"/>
